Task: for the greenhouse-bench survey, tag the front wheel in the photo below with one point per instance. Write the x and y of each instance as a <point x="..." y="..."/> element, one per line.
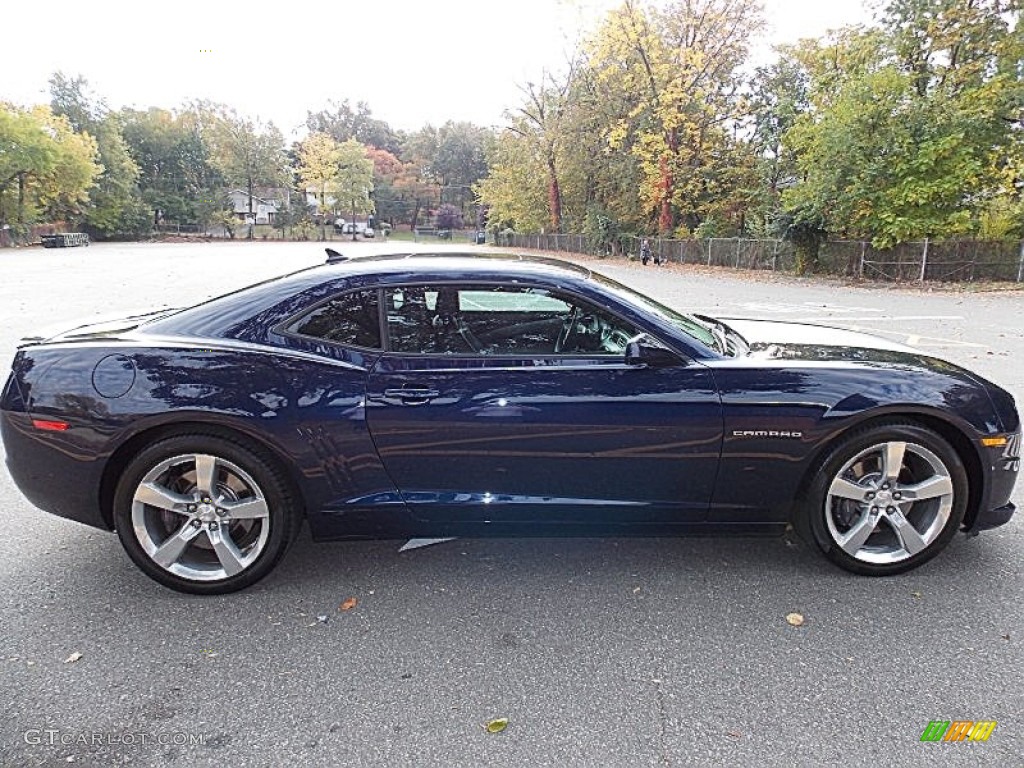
<point x="886" y="499"/>
<point x="204" y="514"/>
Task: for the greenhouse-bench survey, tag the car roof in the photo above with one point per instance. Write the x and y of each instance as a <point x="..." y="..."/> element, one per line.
<point x="457" y="262"/>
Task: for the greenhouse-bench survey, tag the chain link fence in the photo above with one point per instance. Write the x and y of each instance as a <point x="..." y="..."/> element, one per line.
<point x="949" y="261"/>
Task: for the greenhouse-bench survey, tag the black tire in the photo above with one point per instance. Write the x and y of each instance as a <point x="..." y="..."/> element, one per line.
<point x="820" y="521"/>
<point x="237" y="463"/>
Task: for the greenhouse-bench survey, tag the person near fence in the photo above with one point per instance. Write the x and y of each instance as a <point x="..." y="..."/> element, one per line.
<point x="645" y="252"/>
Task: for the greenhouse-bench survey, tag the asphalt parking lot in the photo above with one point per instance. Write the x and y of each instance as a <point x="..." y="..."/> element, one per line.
<point x="608" y="652"/>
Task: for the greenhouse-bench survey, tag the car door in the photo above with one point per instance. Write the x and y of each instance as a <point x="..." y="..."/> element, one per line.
<point x="515" y="404"/>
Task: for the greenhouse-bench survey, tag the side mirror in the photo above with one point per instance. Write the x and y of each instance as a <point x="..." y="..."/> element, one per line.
<point x="649" y="356"/>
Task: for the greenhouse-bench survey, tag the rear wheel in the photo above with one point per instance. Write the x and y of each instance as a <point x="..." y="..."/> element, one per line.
<point x="886" y="499"/>
<point x="204" y="514"/>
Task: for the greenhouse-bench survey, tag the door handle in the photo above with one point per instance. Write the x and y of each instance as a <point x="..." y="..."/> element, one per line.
<point x="412" y="396"/>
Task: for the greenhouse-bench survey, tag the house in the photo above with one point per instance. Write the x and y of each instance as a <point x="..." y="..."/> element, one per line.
<point x="313" y="200"/>
<point x="266" y="202"/>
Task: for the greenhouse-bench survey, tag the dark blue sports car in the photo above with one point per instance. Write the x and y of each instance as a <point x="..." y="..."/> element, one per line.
<point x="450" y="395"/>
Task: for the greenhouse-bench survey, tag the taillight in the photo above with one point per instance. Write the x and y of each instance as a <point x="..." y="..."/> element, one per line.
<point x="50" y="425"/>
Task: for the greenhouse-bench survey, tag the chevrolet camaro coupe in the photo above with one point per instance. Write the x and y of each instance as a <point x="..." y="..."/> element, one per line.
<point x="465" y="395"/>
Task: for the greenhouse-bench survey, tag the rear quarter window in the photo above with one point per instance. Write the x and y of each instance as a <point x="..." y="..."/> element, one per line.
<point x="352" y="319"/>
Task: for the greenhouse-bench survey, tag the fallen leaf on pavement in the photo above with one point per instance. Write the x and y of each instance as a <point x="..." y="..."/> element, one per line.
<point x="796" y="619"/>
<point x="497" y="725"/>
<point x="349" y="604"/>
<point x="917" y="594"/>
<point x="73" y="658"/>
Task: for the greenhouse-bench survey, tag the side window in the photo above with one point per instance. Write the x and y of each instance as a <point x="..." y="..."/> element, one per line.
<point x="352" y="319"/>
<point x="499" y="320"/>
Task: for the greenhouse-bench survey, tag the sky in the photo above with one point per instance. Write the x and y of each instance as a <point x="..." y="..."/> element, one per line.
<point x="412" y="61"/>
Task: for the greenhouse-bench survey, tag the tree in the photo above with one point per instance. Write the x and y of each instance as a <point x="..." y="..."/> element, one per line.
<point x="343" y="122"/>
<point x="911" y="123"/>
<point x="449" y="217"/>
<point x="778" y="96"/>
<point x="26" y="151"/>
<point x="46" y="167"/>
<point x="453" y="157"/>
<point x="540" y="121"/>
<point x="593" y="177"/>
<point x="248" y="153"/>
<point x="415" y="189"/>
<point x="514" y="189"/>
<point x="116" y="205"/>
<point x="319" y="167"/>
<point x="355" y="178"/>
<point x="176" y="177"/>
<point x="670" y="72"/>
<point x="387" y="169"/>
<point x="295" y="214"/>
<point x="72" y="98"/>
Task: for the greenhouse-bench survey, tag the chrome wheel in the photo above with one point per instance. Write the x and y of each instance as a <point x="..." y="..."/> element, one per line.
<point x="890" y="502"/>
<point x="200" y="517"/>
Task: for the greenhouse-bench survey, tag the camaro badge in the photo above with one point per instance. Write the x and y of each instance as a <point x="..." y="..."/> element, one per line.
<point x="765" y="433"/>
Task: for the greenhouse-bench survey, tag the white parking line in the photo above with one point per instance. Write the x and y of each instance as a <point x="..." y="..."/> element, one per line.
<point x="783" y="308"/>
<point x="881" y="319"/>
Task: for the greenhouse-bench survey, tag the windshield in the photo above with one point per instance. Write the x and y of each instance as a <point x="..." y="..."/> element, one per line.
<point x="691" y="326"/>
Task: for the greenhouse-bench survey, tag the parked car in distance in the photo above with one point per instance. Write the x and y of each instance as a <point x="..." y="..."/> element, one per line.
<point x="369" y="233"/>
<point x="355" y="227"/>
<point x="494" y="395"/>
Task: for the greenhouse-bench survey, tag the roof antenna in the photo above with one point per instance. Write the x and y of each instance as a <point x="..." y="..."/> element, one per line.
<point x="333" y="257"/>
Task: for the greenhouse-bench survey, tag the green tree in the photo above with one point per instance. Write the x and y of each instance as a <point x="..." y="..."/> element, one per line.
<point x="294" y="215"/>
<point x="175" y="173"/>
<point x="912" y="122"/>
<point x="539" y="121"/>
<point x="354" y="179"/>
<point x="116" y="206"/>
<point x="593" y="176"/>
<point x="247" y="152"/>
<point x="514" y="189"/>
<point x="343" y="122"/>
<point x="46" y="167"/>
<point x="319" y="168"/>
<point x="26" y="151"/>
<point x="778" y="96"/>
<point x="453" y="157"/>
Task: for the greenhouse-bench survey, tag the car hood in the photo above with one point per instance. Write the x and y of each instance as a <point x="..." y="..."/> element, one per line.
<point x="803" y="341"/>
